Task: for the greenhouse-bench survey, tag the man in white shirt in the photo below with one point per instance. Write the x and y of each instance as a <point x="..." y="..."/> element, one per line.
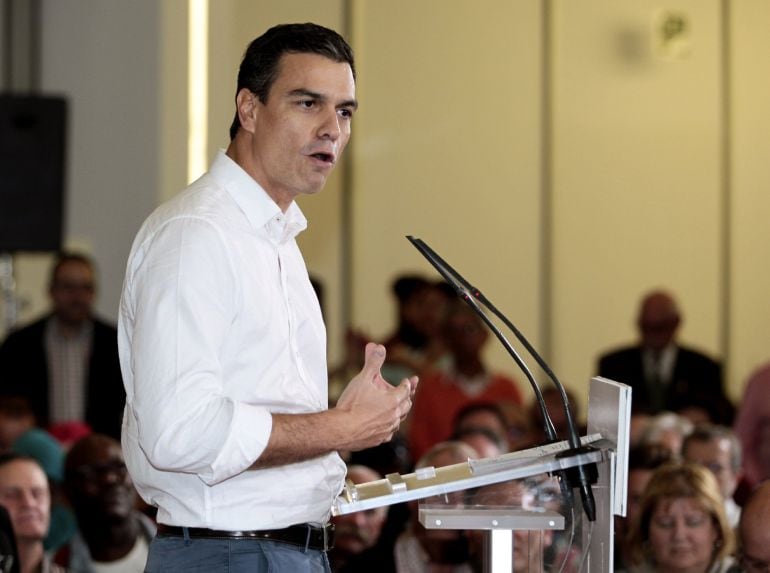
<point x="222" y="343"/>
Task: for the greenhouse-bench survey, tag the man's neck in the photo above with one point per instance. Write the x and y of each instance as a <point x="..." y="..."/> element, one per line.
<point x="30" y="555"/>
<point x="469" y="366"/>
<point x="69" y="329"/>
<point x="112" y="541"/>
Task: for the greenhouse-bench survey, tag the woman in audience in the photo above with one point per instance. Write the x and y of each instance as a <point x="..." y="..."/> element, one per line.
<point x="681" y="525"/>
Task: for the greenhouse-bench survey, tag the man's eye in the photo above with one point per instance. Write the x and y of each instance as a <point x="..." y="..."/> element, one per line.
<point x="346" y="113"/>
<point x="307" y="103"/>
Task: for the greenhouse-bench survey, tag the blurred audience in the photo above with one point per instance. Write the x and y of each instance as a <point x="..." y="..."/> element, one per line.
<point x="421" y="550"/>
<point x="668" y="430"/>
<point x="555" y="406"/>
<point x="356" y="532"/>
<point x="66" y="364"/>
<point x="681" y="525"/>
<point x="717" y="449"/>
<point x="25" y="495"/>
<point x="112" y="534"/>
<point x="528" y="546"/>
<point x="442" y="394"/>
<point x="484" y="424"/>
<point x="417" y="345"/>
<point x="665" y="375"/>
<point x="752" y="426"/>
<point x="642" y="463"/>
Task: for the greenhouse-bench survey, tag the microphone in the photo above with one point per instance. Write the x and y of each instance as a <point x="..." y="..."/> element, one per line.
<point x="581" y="476"/>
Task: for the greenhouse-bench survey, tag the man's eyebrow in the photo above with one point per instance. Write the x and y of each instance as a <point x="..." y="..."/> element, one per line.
<point x="301" y="92"/>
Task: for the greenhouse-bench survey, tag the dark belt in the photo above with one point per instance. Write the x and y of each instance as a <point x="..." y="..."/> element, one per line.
<point x="305" y="535"/>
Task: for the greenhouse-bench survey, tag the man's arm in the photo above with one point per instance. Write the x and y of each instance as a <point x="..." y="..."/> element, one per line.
<point x="368" y="413"/>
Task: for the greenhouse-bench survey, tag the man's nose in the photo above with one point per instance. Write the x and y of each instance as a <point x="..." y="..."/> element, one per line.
<point x="330" y="128"/>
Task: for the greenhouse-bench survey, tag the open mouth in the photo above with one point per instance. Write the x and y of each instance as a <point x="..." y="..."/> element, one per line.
<point x="325" y="157"/>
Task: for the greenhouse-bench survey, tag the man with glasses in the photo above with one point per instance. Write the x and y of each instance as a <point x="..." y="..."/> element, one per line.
<point x="112" y="535"/>
<point x="66" y="364"/>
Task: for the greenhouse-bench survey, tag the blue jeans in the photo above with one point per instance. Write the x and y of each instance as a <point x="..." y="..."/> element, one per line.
<point x="196" y="555"/>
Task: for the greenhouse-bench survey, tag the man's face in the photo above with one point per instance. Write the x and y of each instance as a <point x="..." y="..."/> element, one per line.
<point x="355" y="532"/>
<point x="658" y="322"/>
<point x="72" y="292"/>
<point x="100" y="485"/>
<point x="24" y="493"/>
<point x="299" y="134"/>
<point x="714" y="455"/>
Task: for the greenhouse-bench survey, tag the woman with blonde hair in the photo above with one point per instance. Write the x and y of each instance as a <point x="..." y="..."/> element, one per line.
<point x="681" y="526"/>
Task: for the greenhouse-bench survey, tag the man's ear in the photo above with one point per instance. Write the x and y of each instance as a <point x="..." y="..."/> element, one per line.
<point x="247" y="104"/>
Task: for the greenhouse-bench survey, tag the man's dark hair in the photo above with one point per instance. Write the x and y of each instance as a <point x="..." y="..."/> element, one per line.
<point x="470" y="409"/>
<point x="259" y="67"/>
<point x="648" y="457"/>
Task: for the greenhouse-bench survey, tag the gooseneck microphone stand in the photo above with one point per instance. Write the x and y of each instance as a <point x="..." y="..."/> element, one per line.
<point x="581" y="476"/>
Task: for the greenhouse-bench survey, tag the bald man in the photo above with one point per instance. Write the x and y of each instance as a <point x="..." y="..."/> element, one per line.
<point x="754" y="534"/>
<point x="665" y="375"/>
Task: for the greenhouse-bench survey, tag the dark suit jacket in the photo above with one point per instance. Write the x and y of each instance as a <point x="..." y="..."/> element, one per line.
<point x="24" y="372"/>
<point x="696" y="381"/>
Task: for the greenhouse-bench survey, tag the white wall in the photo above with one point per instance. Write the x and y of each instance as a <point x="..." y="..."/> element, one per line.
<point x="104" y="57"/>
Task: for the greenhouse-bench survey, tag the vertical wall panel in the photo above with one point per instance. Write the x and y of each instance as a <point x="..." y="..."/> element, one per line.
<point x="750" y="279"/>
<point x="447" y="148"/>
<point x="636" y="174"/>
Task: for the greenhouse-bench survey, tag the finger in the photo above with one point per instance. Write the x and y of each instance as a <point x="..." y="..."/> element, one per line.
<point x="413" y="384"/>
<point x="374" y="358"/>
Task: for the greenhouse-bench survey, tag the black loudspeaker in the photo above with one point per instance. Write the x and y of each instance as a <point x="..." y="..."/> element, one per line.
<point x="32" y="142"/>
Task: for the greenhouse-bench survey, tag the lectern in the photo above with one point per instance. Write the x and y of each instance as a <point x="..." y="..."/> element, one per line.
<point x="590" y="543"/>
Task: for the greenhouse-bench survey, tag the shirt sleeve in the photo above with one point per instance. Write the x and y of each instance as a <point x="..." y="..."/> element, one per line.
<point x="184" y="294"/>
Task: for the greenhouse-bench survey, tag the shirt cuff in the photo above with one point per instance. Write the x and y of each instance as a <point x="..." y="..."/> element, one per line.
<point x="247" y="439"/>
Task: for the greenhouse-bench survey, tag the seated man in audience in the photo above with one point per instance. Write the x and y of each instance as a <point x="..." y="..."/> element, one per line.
<point x="441" y="395"/>
<point x="483" y="426"/>
<point x="665" y="375"/>
<point x="25" y="495"/>
<point x="421" y="550"/>
<point x="718" y="449"/>
<point x="66" y="364"/>
<point x="754" y="533"/>
<point x="111" y="533"/>
<point x="417" y="344"/>
<point x="356" y="532"/>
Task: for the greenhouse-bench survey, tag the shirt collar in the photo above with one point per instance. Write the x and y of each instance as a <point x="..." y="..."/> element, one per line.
<point x="259" y="208"/>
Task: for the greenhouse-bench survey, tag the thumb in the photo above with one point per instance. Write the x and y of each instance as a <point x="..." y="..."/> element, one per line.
<point x="374" y="358"/>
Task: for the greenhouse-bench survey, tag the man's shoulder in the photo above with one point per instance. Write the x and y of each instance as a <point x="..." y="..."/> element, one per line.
<point x="31" y="331"/>
<point x="621" y="354"/>
<point x="203" y="198"/>
<point x="102" y="325"/>
<point x="695" y="356"/>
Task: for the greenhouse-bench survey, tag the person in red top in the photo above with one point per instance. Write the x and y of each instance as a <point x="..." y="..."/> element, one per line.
<point x="442" y="394"/>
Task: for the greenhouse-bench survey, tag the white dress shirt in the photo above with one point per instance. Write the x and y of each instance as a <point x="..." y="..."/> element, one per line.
<point x="219" y="327"/>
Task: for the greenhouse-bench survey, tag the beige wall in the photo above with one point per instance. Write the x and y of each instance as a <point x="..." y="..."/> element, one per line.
<point x="564" y="177"/>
